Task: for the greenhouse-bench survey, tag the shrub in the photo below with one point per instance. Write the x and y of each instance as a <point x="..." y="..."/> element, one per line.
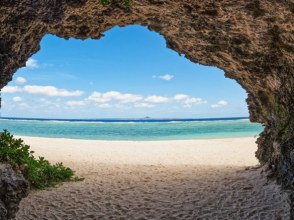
<point x="39" y="172"/>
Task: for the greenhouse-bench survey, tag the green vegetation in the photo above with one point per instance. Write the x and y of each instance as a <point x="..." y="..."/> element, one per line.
<point x="107" y="2"/>
<point x="39" y="172"/>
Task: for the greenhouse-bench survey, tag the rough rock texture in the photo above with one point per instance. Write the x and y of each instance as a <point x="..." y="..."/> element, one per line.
<point x="13" y="187"/>
<point x="251" y="40"/>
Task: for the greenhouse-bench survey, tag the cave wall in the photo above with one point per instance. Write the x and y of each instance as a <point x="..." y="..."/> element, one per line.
<point x="251" y="40"/>
<point x="13" y="187"/>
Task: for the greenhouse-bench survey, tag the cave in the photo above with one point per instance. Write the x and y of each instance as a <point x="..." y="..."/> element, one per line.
<point x="252" y="41"/>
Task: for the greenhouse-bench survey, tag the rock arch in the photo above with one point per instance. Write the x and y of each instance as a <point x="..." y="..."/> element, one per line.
<point x="252" y="41"/>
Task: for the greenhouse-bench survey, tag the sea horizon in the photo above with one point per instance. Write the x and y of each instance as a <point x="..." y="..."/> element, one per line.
<point x="136" y="119"/>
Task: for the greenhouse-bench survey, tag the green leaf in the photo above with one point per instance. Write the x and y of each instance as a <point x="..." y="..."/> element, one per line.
<point x="39" y="172"/>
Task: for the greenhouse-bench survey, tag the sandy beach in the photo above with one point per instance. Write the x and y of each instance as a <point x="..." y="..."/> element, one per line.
<point x="185" y="179"/>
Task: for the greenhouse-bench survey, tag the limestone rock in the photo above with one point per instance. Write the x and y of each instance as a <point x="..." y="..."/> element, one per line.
<point x="13" y="187"/>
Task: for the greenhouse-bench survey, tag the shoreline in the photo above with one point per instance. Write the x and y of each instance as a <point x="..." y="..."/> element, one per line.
<point x="142" y="140"/>
<point x="192" y="139"/>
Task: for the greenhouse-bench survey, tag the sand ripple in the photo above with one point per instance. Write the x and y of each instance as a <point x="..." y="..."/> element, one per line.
<point x="160" y="192"/>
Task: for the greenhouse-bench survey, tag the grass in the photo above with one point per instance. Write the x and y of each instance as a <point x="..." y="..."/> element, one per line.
<point x="38" y="171"/>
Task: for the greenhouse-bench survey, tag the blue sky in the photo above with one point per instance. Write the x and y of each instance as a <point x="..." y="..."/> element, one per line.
<point x="129" y="73"/>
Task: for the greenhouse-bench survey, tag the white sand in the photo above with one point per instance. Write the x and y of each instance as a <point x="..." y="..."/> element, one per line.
<point x="187" y="179"/>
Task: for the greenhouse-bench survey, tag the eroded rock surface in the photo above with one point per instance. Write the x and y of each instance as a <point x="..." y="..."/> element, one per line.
<point x="251" y="40"/>
<point x="13" y="187"/>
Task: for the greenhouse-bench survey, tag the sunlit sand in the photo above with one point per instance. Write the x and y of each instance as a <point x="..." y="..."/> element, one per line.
<point x="185" y="179"/>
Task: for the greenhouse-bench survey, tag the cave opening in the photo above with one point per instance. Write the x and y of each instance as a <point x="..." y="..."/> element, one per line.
<point x="128" y="74"/>
<point x="118" y="79"/>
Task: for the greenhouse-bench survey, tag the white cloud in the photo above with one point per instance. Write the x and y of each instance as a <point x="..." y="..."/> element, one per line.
<point x="51" y="91"/>
<point x="17" y="99"/>
<point x="20" y="80"/>
<point x="122" y="97"/>
<point x="42" y="90"/>
<point x="32" y="63"/>
<point x="143" y="105"/>
<point x="222" y="102"/>
<point x="114" y="95"/>
<point x="52" y="97"/>
<point x="188" y="101"/>
<point x="11" y="89"/>
<point x="156" y="99"/>
<point x="219" y="104"/>
<point x="129" y="98"/>
<point x="166" y="77"/>
<point x="196" y="101"/>
<point x="97" y="97"/>
<point x="111" y="95"/>
<point x="181" y="97"/>
<point x="75" y="103"/>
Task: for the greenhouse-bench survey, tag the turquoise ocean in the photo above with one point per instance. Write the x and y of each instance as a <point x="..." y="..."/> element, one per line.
<point x="132" y="129"/>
